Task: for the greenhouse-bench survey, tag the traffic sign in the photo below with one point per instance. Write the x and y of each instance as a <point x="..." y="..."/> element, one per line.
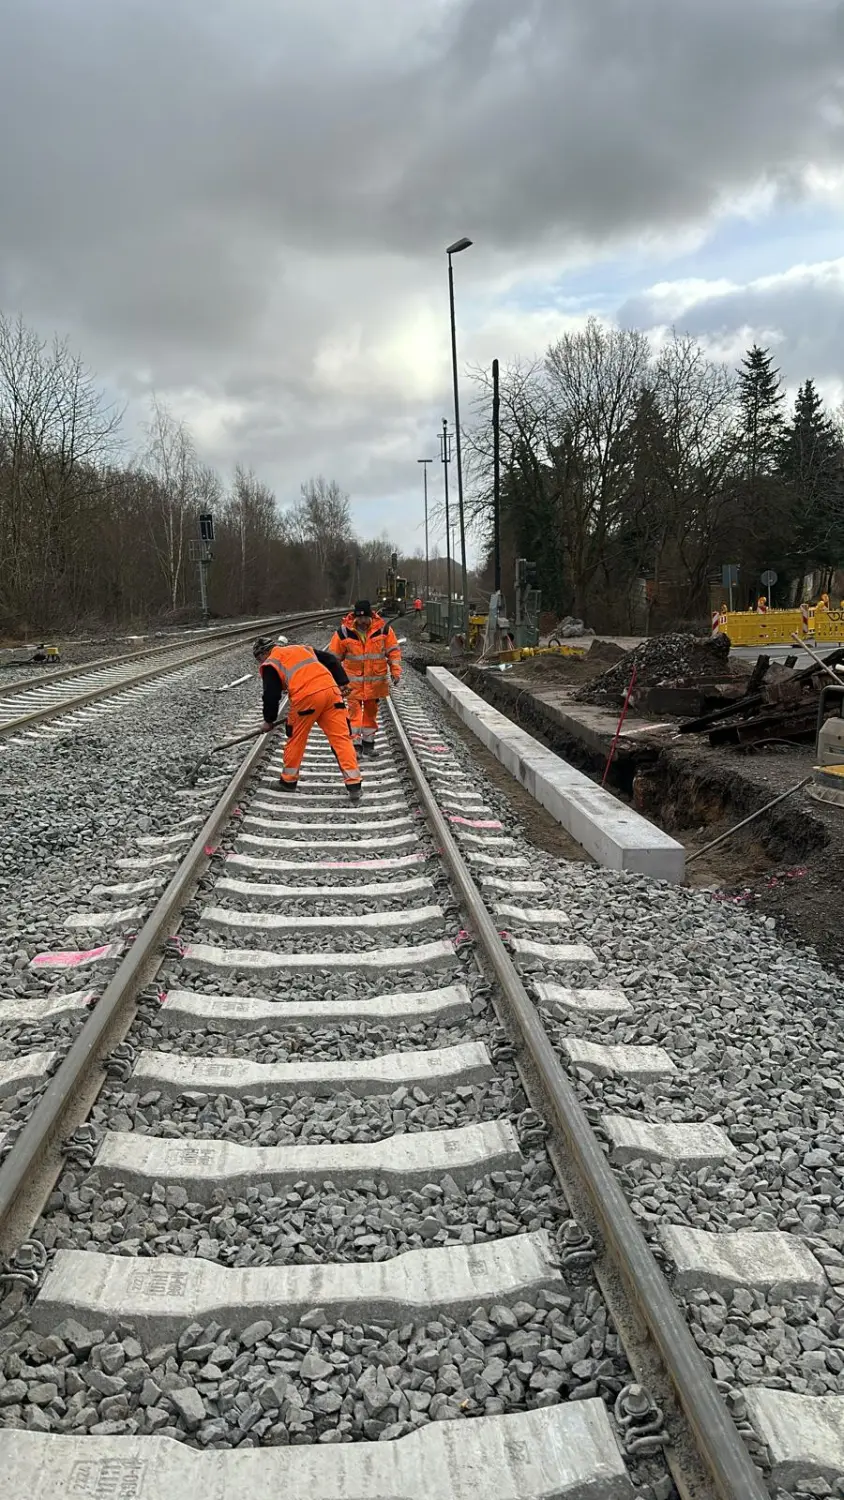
<point x="769" y="578"/>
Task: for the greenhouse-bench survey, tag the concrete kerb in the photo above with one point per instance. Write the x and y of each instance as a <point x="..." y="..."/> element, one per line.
<point x="615" y="836"/>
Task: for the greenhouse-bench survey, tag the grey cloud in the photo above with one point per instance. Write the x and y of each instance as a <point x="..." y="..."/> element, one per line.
<point x="801" y="315"/>
<point x="199" y="195"/>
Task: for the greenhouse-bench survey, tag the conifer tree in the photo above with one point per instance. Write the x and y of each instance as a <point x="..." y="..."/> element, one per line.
<point x="760" y="397"/>
<point x="811" y="464"/>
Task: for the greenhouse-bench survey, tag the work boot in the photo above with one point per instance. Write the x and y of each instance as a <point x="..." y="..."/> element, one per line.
<point x="368" y="749"/>
<point x="287" y="786"/>
<point x="354" y="792"/>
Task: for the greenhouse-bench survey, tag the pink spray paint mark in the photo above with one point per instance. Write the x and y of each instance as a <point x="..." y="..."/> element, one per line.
<point x="75" y="956"/>
<point x="475" y="822"/>
<point x="210" y="849"/>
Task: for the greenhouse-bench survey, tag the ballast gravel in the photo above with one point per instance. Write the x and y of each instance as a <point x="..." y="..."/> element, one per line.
<point x="308" y="1224"/>
<point x="318" y="1382"/>
<point x="755" y="1028"/>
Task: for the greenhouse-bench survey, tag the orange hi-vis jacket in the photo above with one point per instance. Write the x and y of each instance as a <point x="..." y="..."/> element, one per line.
<point x="369" y="661"/>
<point x="300" y="672"/>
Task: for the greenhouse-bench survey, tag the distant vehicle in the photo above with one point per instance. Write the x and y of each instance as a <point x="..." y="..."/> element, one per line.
<point x="393" y="591"/>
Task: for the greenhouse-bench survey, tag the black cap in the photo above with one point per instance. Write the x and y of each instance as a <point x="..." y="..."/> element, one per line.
<point x="363" y="608"/>
<point x="261" y="647"/>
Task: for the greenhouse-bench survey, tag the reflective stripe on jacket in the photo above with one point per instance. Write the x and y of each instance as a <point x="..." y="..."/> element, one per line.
<point x="299" y="670"/>
<point x="368" y="660"/>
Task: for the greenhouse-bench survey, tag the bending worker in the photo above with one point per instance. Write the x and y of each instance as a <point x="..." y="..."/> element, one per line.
<point x="316" y="685"/>
<point x="366" y="645"/>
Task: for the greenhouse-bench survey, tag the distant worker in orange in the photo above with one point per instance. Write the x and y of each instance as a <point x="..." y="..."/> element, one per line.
<point x="367" y="647"/>
<point x="316" y="685"/>
<point x="823" y="602"/>
<point x="417" y="607"/>
<point x="761" y="605"/>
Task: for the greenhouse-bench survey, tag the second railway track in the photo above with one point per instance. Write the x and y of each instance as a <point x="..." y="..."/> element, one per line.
<point x="25" y="705"/>
<point x="300" y="1210"/>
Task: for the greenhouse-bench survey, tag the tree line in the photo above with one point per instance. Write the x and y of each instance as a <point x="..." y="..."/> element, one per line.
<point x="91" y="536"/>
<point x="631" y="472"/>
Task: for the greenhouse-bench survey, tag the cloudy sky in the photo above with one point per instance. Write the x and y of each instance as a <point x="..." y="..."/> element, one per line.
<point x="243" y="204"/>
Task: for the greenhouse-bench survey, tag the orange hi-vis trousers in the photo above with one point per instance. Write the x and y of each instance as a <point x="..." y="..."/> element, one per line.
<point x="327" y="709"/>
<point x="363" y="717"/>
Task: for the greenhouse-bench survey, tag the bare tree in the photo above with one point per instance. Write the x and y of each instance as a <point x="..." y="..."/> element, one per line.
<point x="323" y="520"/>
<point x="55" y="430"/>
<point x="170" y="460"/>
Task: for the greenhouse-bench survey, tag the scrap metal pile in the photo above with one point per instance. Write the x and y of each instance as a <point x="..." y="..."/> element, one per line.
<point x="779" y="705"/>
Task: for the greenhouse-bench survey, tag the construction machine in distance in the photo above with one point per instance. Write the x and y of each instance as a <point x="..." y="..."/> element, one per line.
<point x="392" y="592"/>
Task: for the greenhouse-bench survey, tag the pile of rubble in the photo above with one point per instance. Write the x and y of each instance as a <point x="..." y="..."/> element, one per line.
<point x="779" y="706"/>
<point x="659" y="660"/>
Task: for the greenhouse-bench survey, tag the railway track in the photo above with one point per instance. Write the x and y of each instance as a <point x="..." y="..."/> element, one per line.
<point x="26" y="705"/>
<point x="310" y="1175"/>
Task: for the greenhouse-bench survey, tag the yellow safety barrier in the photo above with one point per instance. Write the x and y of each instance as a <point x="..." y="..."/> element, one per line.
<point x="746" y="628"/>
<point x="829" y="626"/>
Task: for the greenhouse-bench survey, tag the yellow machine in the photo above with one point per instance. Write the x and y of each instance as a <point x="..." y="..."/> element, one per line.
<point x="393" y="591"/>
<point x="827" y="783"/>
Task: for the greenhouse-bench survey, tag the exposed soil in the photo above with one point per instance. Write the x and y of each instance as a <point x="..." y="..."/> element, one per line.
<point x="571" y="669"/>
<point x="789" y="864"/>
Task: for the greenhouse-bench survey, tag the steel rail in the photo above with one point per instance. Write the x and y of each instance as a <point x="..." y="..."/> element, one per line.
<point x="160" y="669"/>
<point x="40" y="1139"/>
<point x="716" y="1437"/>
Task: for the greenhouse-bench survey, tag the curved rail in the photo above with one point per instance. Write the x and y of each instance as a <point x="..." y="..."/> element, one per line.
<point x="115" y="675"/>
<point x="179" y="641"/>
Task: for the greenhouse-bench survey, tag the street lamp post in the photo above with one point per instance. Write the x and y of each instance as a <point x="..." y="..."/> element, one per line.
<point x="425" y="462"/>
<point x="451" y="250"/>
<point x="445" y="454"/>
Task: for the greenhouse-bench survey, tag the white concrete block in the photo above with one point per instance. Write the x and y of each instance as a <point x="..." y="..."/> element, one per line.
<point x="128" y="888"/>
<point x="163" y="840"/>
<point x="125" y="920"/>
<point x="239" y="1013"/>
<point x="554" y="953"/>
<point x="512" y="887"/>
<point x="353" y="823"/>
<point x="804" y="1434"/>
<point x="257" y="890"/>
<point x="314" y="866"/>
<point x="302" y="806"/>
<point x="563" y="1452"/>
<point x="497" y="861"/>
<point x="440" y="1067"/>
<point x="27" y="1070"/>
<point x="696" y="1145"/>
<point x="405" y="1161"/>
<point x="157" y="1298"/>
<point x="613" y="834"/>
<point x="52" y="1008"/>
<point x="533" y="916"/>
<point x="439" y="954"/>
<point x="148" y="861"/>
<point x="231" y="920"/>
<point x="587" y="1002"/>
<point x="348" y="841"/>
<point x="623" y="1062"/>
<point x="749" y="1258"/>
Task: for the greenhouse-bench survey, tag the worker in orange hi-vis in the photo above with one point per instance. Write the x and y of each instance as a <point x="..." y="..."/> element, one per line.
<point x="417" y="607"/>
<point x="316" y="688"/>
<point x="366" y="644"/>
<point x="823" y="602"/>
<point x="761" y="605"/>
